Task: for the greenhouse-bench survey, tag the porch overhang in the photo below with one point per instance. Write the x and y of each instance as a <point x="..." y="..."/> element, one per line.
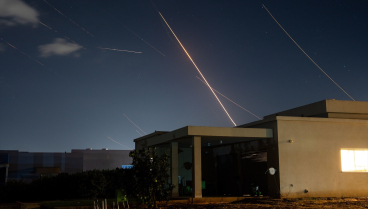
<point x="208" y="134"/>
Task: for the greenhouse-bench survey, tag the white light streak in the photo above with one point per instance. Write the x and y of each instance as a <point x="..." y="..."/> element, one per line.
<point x="137" y="35"/>
<point x="138" y="132"/>
<point x="119" y="50"/>
<point x="67" y="17"/>
<point x="135" y="124"/>
<point x="119" y="143"/>
<point x="307" y="54"/>
<point x="197" y="69"/>
<point x="29" y="56"/>
<point x="230" y="100"/>
<point x="56" y="32"/>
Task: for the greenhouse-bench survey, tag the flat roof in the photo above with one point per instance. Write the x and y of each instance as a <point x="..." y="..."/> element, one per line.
<point x="208" y="133"/>
<point x="325" y="106"/>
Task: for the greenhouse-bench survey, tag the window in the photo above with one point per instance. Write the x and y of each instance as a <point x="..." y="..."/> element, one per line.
<point x="354" y="160"/>
<point x="127" y="166"/>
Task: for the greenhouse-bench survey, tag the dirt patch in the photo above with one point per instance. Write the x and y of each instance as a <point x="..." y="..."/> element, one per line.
<point x="284" y="203"/>
<point x="263" y="203"/>
<point x="8" y="205"/>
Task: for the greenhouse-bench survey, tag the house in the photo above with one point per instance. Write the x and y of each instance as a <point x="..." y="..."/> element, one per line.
<point x="316" y="150"/>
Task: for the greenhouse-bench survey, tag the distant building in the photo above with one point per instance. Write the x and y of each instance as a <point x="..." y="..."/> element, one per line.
<point x="31" y="165"/>
<point x="316" y="150"/>
<point x="4" y="165"/>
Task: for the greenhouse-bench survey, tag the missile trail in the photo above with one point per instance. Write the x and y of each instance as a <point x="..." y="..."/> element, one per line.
<point x="67" y="17"/>
<point x="307" y="54"/>
<point x="230" y="100"/>
<point x="197" y="69"/>
<point x="119" y="143"/>
<point x="137" y="35"/>
<point x="29" y="57"/>
<point x="138" y="133"/>
<point x="120" y="50"/>
<point x="135" y="124"/>
<point x="56" y="32"/>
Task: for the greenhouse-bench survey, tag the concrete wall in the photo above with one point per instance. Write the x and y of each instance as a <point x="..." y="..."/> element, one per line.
<point x="105" y="159"/>
<point x="22" y="165"/>
<point x="313" y="160"/>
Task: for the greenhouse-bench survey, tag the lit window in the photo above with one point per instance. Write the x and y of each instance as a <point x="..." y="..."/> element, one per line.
<point x="127" y="166"/>
<point x="354" y="160"/>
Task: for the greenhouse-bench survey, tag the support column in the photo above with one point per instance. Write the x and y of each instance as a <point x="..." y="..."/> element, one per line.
<point x="6" y="173"/>
<point x="174" y="171"/>
<point x="197" y="167"/>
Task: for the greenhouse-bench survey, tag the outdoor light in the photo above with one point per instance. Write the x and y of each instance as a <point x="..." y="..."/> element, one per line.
<point x="151" y="160"/>
<point x="271" y="171"/>
<point x="290" y="141"/>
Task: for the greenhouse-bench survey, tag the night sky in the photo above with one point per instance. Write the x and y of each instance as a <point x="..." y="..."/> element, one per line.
<point x="72" y="94"/>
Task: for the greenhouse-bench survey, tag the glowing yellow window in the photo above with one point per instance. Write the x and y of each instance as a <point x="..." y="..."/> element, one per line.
<point x="354" y="160"/>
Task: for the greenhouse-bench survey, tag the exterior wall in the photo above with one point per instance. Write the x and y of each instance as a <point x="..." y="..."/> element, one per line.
<point x="313" y="160"/>
<point x="28" y="165"/>
<point x="105" y="159"/>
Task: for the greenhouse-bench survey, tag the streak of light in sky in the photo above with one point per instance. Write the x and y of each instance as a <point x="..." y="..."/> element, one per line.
<point x="138" y="132"/>
<point x="29" y="56"/>
<point x="163" y="24"/>
<point x="135" y="124"/>
<point x="306" y="53"/>
<point x="198" y="70"/>
<point x="119" y="143"/>
<point x="120" y="50"/>
<point x="137" y="35"/>
<point x="67" y="18"/>
<point x="230" y="99"/>
<point x="56" y="31"/>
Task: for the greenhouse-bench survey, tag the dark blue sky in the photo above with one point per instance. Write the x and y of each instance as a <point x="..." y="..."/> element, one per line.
<point x="79" y="97"/>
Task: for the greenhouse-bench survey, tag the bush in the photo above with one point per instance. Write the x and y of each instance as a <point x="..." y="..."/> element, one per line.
<point x="88" y="184"/>
<point x="151" y="175"/>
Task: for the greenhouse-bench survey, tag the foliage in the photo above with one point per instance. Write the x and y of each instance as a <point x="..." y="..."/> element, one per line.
<point x="151" y="175"/>
<point x="88" y="184"/>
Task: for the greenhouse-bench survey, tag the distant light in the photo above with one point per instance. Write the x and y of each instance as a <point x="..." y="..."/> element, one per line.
<point x="127" y="166"/>
<point x="105" y="149"/>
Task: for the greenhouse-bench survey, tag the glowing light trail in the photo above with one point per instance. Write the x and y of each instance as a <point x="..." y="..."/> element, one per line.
<point x="135" y="124"/>
<point x="197" y="69"/>
<point x="307" y="54"/>
<point x="67" y="17"/>
<point x="230" y="99"/>
<point x="29" y="56"/>
<point x="56" y="32"/>
<point x="138" y="133"/>
<point x="120" y="50"/>
<point x="136" y="35"/>
<point x="119" y="143"/>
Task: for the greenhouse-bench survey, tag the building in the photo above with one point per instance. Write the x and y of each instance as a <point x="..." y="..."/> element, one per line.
<point x="316" y="150"/>
<point x="4" y="165"/>
<point x="31" y="165"/>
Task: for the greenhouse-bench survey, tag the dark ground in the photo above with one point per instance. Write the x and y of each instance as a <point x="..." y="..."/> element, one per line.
<point x="284" y="203"/>
<point x="264" y="203"/>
